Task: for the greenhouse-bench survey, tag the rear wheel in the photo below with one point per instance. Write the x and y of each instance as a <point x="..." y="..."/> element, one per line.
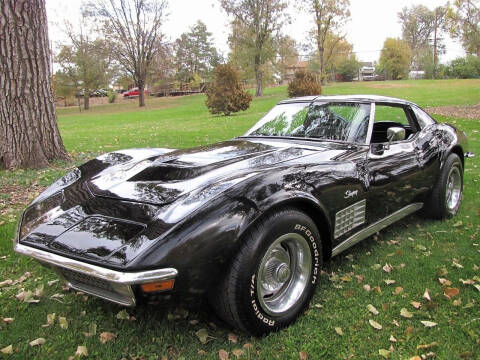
<point x="273" y="275"/>
<point x="446" y="195"/>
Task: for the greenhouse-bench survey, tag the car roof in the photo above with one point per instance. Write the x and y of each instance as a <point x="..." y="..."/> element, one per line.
<point x="359" y="98"/>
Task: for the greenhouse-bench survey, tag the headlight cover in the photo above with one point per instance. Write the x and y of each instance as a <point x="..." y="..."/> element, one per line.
<point x="40" y="212"/>
<point x="66" y="180"/>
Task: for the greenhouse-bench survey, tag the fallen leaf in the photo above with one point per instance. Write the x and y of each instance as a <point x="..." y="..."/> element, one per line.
<point x="50" y="320"/>
<point x="457" y="302"/>
<point x="444" y="281"/>
<point x="346" y="278"/>
<point x="359" y="278"/>
<point x="416" y="357"/>
<point x="37" y="342"/>
<point x="477" y="287"/>
<point x="451" y="292"/>
<point x="392" y="339"/>
<point x="123" y="315"/>
<point x="92" y="330"/>
<point x="303" y="355"/>
<point x="398" y="290"/>
<point x="81" y="351"/>
<point x="427" y="323"/>
<point x="405" y="313"/>
<point x="8" y="320"/>
<point x="6" y="282"/>
<point x="7" y="350"/>
<point x="390" y="282"/>
<point x="247" y="346"/>
<point x="416" y="304"/>
<point x="238" y="353"/>
<point x="384" y="353"/>
<point x="339" y="331"/>
<point x="408" y="331"/>
<point x="458" y="223"/>
<point x="38" y="291"/>
<point x="467" y="282"/>
<point x="199" y="352"/>
<point x="427" y="346"/>
<point x="232" y="338"/>
<point x="366" y="287"/>
<point x="63" y="322"/>
<point x="456" y="264"/>
<point x="202" y="335"/>
<point x="387" y="268"/>
<point x="375" y="325"/>
<point x="372" y="309"/>
<point x="50" y="283"/>
<point x="395" y="322"/>
<point x="420" y="247"/>
<point x="426" y="295"/>
<point x="106" y="337"/>
<point x="222" y="354"/>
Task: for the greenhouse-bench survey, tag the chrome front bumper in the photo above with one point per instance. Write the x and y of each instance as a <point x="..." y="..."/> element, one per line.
<point x="112" y="285"/>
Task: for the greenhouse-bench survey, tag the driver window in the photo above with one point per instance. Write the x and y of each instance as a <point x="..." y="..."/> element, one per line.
<point x="387" y="116"/>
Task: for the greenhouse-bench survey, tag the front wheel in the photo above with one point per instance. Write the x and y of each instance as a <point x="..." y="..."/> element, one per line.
<point x="446" y="195"/>
<point x="274" y="274"/>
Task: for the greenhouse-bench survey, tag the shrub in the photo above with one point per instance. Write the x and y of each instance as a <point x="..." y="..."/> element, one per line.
<point x="304" y="83"/>
<point x="225" y="93"/>
<point x="112" y="95"/>
<point x="464" y="68"/>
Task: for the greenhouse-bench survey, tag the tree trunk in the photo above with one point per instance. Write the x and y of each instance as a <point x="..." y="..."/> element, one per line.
<point x="86" y="100"/>
<point x="29" y="135"/>
<point x="258" y="77"/>
<point x="141" y="95"/>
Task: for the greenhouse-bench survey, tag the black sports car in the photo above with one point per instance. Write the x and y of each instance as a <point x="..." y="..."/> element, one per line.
<point x="246" y="222"/>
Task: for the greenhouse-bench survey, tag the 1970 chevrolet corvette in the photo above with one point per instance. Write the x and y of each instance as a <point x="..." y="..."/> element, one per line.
<point x="246" y="222"/>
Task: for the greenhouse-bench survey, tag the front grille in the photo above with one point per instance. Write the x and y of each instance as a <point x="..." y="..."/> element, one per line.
<point x="118" y="293"/>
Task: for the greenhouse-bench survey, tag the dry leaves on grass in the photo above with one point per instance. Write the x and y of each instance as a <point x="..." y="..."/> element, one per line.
<point x="405" y="313"/>
<point x="238" y="353"/>
<point x="232" y="338"/>
<point x="339" y="331"/>
<point x="384" y="353"/>
<point x="50" y="320"/>
<point x="7" y="350"/>
<point x="202" y="335"/>
<point x="427" y="323"/>
<point x="106" y="337"/>
<point x="375" y="324"/>
<point x="92" y="330"/>
<point x="416" y="304"/>
<point x="222" y="354"/>
<point x="8" y="320"/>
<point x="303" y="355"/>
<point x="457" y="111"/>
<point x="37" y="342"/>
<point x="372" y="309"/>
<point x="62" y="321"/>
<point x="81" y="351"/>
<point x="450" y="292"/>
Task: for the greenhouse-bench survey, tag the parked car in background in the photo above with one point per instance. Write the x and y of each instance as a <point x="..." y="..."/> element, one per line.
<point x="246" y="223"/>
<point x="134" y="93"/>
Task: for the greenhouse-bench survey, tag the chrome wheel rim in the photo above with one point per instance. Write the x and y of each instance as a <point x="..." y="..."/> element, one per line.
<point x="453" y="191"/>
<point x="284" y="273"/>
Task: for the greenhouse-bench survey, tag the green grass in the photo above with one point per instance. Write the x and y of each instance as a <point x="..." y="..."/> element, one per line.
<point x="426" y="248"/>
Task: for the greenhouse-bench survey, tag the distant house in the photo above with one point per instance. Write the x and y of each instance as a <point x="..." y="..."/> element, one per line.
<point x="292" y="69"/>
<point x="366" y="71"/>
<point x="416" y="74"/>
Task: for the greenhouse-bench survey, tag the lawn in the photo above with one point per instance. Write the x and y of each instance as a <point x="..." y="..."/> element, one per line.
<point x="390" y="271"/>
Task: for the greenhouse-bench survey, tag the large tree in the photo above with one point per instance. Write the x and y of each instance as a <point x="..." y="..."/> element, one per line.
<point x="395" y="58"/>
<point x="86" y="62"/>
<point x="134" y="27"/>
<point x="195" y="53"/>
<point x="256" y="23"/>
<point x="464" y="23"/>
<point x="29" y="135"/>
<point x="329" y="18"/>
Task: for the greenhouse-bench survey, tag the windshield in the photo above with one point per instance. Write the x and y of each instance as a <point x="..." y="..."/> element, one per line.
<point x="330" y="121"/>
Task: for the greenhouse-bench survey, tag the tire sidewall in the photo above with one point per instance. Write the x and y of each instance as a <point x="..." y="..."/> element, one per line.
<point x="452" y="161"/>
<point x="255" y="318"/>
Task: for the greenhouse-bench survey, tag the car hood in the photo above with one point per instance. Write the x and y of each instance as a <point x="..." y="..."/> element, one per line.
<point x="161" y="178"/>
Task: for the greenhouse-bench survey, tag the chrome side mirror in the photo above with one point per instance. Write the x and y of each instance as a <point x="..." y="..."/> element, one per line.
<point x="394" y="134"/>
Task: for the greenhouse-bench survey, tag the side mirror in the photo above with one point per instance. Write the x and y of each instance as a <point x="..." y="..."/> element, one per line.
<point x="395" y="134"/>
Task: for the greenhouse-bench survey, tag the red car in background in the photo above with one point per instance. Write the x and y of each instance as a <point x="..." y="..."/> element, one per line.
<point x="133" y="92"/>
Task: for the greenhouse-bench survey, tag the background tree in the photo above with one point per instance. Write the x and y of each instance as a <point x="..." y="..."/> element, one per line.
<point x="134" y="27"/>
<point x="29" y="135"/>
<point x="348" y="67"/>
<point x="304" y="83"/>
<point x="195" y="53"/>
<point x="395" y="59"/>
<point x="256" y="22"/>
<point x="417" y="26"/>
<point x="225" y="93"/>
<point x="464" y="24"/>
<point x="329" y="17"/>
<point x="287" y="54"/>
<point x="86" y="63"/>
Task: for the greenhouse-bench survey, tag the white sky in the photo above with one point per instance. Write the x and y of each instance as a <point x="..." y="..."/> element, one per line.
<point x="371" y="22"/>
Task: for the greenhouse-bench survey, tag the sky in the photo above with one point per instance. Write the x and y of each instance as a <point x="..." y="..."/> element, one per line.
<point x="371" y="22"/>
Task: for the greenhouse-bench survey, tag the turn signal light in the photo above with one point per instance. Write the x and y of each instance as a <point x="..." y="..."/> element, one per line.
<point x="158" y="286"/>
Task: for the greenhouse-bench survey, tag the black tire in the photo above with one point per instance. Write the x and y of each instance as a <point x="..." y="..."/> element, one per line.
<point x="438" y="205"/>
<point x="237" y="297"/>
